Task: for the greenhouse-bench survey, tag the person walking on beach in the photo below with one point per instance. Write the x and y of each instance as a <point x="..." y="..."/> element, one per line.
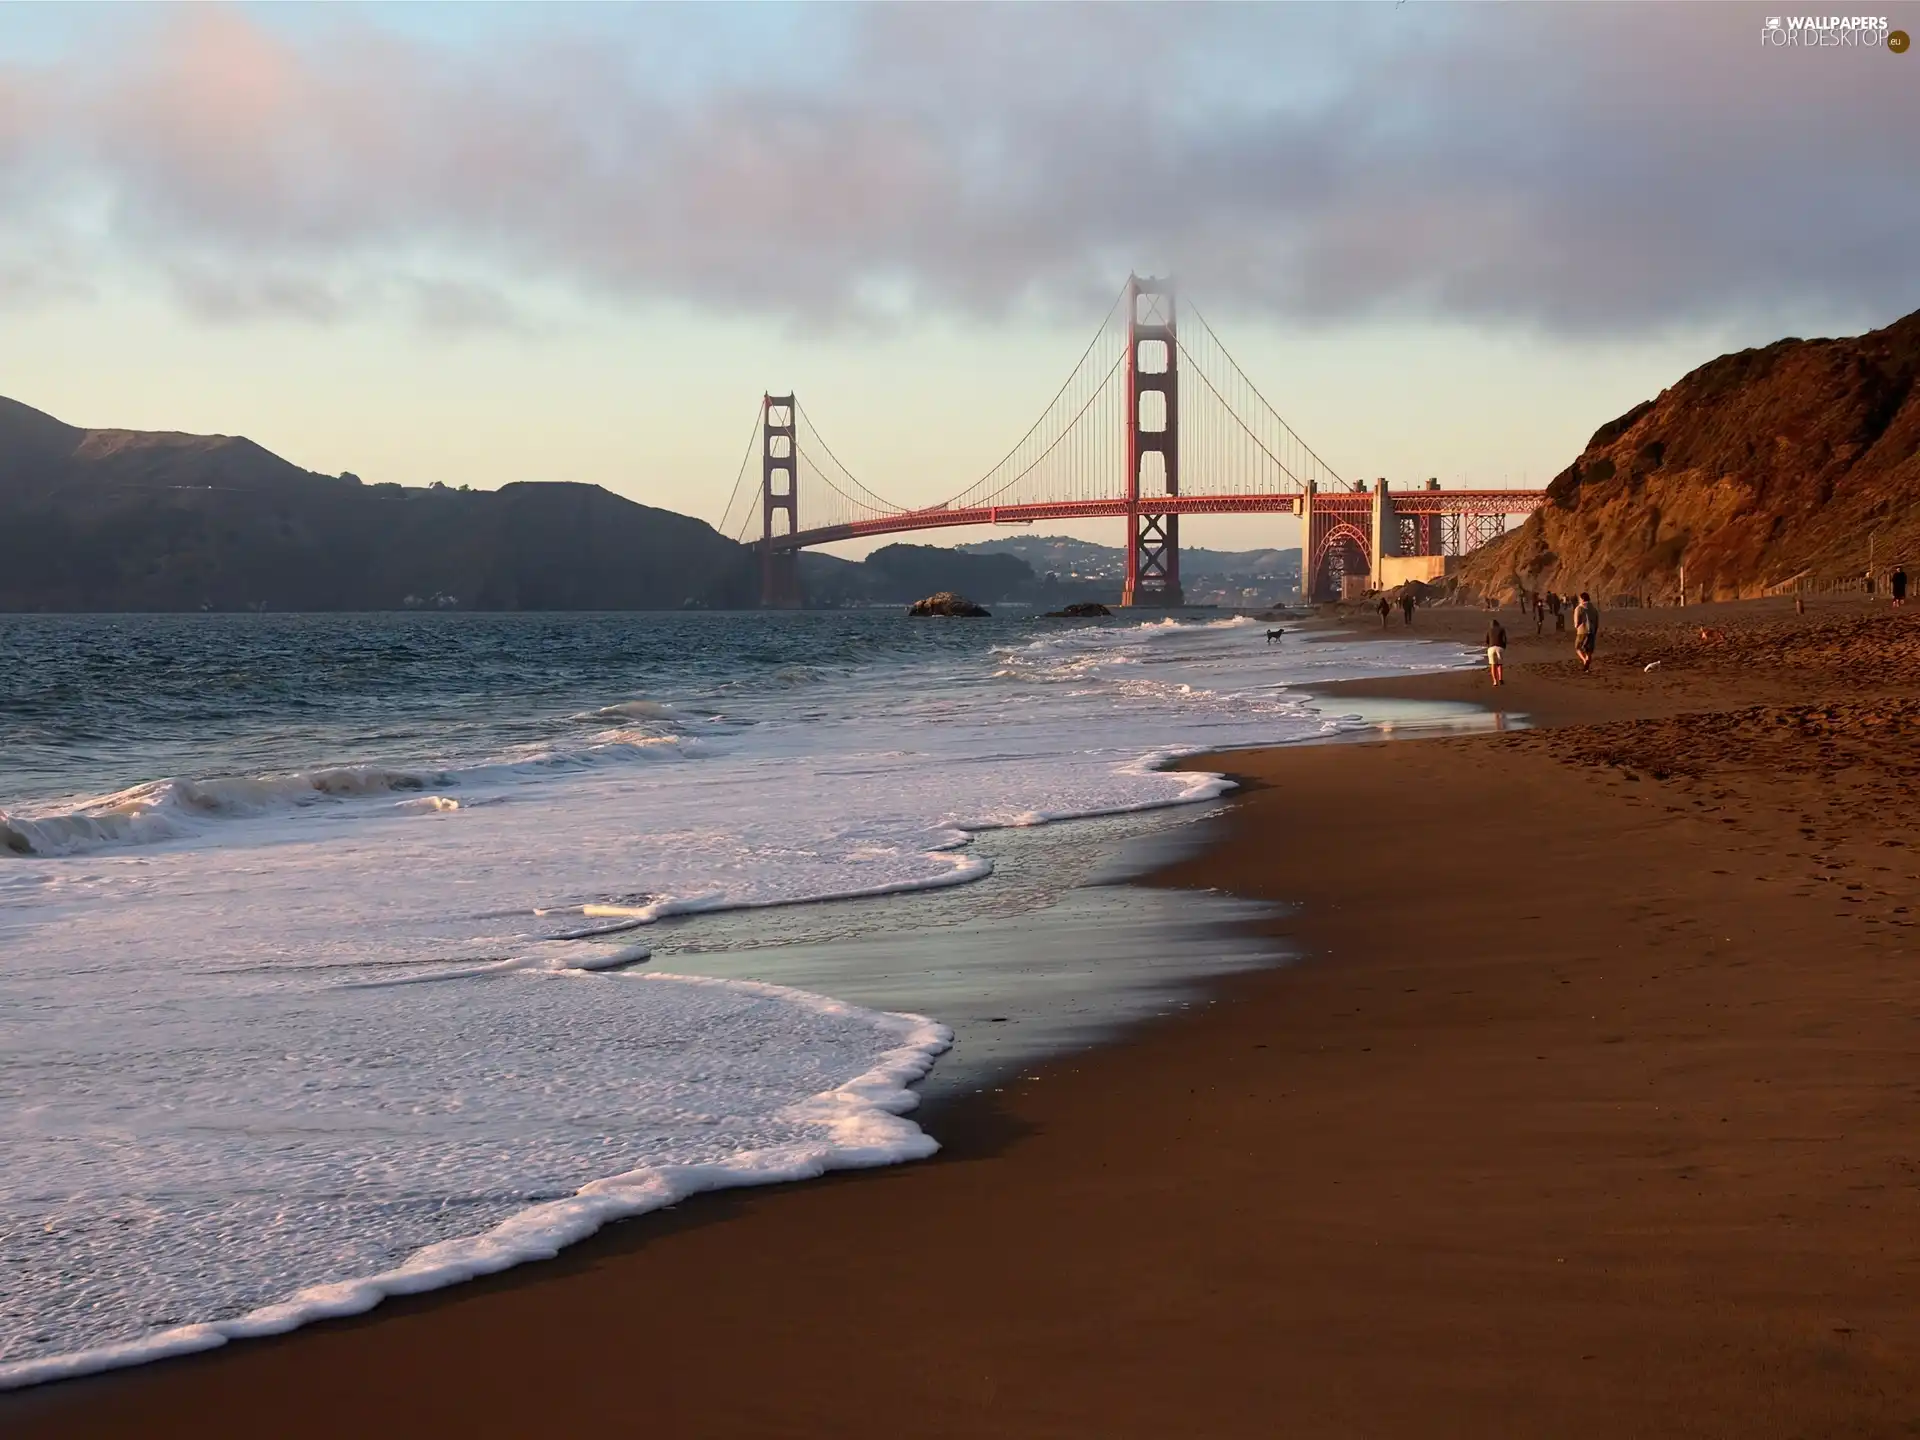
<point x="1497" y="650"/>
<point x="1586" y="630"/>
<point x="1406" y="605"/>
<point x="1557" y="603"/>
<point x="1898" y="581"/>
<point x="1539" y="614"/>
<point x="1386" y="611"/>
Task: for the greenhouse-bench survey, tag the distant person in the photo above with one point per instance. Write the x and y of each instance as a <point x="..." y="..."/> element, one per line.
<point x="1898" y="581"/>
<point x="1497" y="650"/>
<point x="1386" y="611"/>
<point x="1557" y="603"/>
<point x="1406" y="605"/>
<point x="1586" y="630"/>
<point x="1539" y="614"/>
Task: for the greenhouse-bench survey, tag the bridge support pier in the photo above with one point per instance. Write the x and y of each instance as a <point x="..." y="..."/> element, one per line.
<point x="780" y="580"/>
<point x="1386" y="527"/>
<point x="1153" y="537"/>
<point x="779" y="494"/>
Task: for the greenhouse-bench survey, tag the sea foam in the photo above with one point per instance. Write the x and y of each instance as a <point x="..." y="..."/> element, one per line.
<point x="720" y="1083"/>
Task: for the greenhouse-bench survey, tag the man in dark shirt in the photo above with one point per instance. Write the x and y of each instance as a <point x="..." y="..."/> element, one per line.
<point x="1497" y="650"/>
<point x="1586" y="630"/>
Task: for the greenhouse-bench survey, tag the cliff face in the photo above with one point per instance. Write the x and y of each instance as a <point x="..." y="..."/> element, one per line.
<point x="1751" y="469"/>
<point x="130" y="520"/>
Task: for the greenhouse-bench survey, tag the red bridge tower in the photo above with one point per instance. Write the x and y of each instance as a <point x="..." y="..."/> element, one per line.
<point x="779" y="491"/>
<point x="1153" y="429"/>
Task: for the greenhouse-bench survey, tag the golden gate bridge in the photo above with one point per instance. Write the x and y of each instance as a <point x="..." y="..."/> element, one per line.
<point x="1156" y="421"/>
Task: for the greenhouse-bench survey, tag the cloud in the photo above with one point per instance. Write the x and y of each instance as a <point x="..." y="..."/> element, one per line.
<point x="30" y="281"/>
<point x="1581" y="169"/>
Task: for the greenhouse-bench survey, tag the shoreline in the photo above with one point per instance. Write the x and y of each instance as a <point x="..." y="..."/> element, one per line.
<point x="1592" y="1126"/>
<point x="1156" y="954"/>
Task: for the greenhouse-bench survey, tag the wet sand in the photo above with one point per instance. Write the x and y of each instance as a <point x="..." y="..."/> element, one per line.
<point x="1590" y="1109"/>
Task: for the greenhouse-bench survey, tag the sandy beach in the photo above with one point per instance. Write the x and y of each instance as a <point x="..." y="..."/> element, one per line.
<point x="1587" y="1110"/>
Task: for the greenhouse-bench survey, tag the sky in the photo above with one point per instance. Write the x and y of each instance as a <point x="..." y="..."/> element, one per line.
<point x="484" y="244"/>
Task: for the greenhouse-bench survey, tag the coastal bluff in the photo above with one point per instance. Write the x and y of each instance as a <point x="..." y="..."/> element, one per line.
<point x="1754" y="469"/>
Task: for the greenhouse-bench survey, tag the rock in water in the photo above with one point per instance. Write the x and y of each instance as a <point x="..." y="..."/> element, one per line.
<point x="1081" y="610"/>
<point x="947" y="603"/>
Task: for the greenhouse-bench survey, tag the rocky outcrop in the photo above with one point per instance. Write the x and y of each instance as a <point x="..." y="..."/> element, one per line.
<point x="1086" y="610"/>
<point x="947" y="603"/>
<point x="1752" y="469"/>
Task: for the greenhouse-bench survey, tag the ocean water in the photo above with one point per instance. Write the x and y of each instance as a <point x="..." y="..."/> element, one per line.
<point x="327" y="943"/>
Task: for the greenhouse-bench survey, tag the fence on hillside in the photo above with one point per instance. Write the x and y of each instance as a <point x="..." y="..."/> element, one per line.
<point x="1809" y="583"/>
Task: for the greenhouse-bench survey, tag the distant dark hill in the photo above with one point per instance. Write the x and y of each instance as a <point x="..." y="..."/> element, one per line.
<point x="909" y="572"/>
<point x="1097" y="571"/>
<point x="31" y="443"/>
<point x="901" y="574"/>
<point x="1747" y="471"/>
<point x="97" y="520"/>
<point x="40" y="457"/>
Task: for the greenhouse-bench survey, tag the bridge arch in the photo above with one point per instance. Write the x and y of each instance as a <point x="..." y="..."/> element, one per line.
<point x="1346" y="549"/>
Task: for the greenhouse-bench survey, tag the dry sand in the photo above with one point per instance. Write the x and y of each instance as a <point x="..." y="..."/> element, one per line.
<point x="1591" y="1109"/>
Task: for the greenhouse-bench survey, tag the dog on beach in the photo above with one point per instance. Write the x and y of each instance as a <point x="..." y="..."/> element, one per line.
<point x="1273" y="635"/>
<point x="1713" y="637"/>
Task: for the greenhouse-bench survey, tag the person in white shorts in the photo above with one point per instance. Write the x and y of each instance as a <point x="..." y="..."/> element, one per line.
<point x="1497" y="651"/>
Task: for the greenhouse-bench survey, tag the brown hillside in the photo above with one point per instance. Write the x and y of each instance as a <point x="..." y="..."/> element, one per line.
<point x="1753" y="468"/>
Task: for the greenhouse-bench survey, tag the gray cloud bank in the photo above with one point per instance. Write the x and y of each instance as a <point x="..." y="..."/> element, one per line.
<point x="1585" y="169"/>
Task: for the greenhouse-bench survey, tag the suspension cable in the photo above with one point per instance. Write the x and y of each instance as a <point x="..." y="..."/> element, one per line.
<point x="1214" y="336"/>
<point x="878" y="501"/>
<point x="1098" y="391"/>
<point x="825" y="479"/>
<point x="1099" y="332"/>
<point x="1285" y="469"/>
<point x="741" y="479"/>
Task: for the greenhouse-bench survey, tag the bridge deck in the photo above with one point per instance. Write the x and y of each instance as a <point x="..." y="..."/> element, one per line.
<point x="1405" y="502"/>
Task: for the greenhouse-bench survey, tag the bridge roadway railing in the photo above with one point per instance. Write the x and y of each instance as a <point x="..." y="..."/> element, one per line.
<point x="1405" y="502"/>
<point x="1465" y="502"/>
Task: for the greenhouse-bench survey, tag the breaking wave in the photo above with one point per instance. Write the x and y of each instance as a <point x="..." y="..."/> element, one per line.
<point x="178" y="809"/>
